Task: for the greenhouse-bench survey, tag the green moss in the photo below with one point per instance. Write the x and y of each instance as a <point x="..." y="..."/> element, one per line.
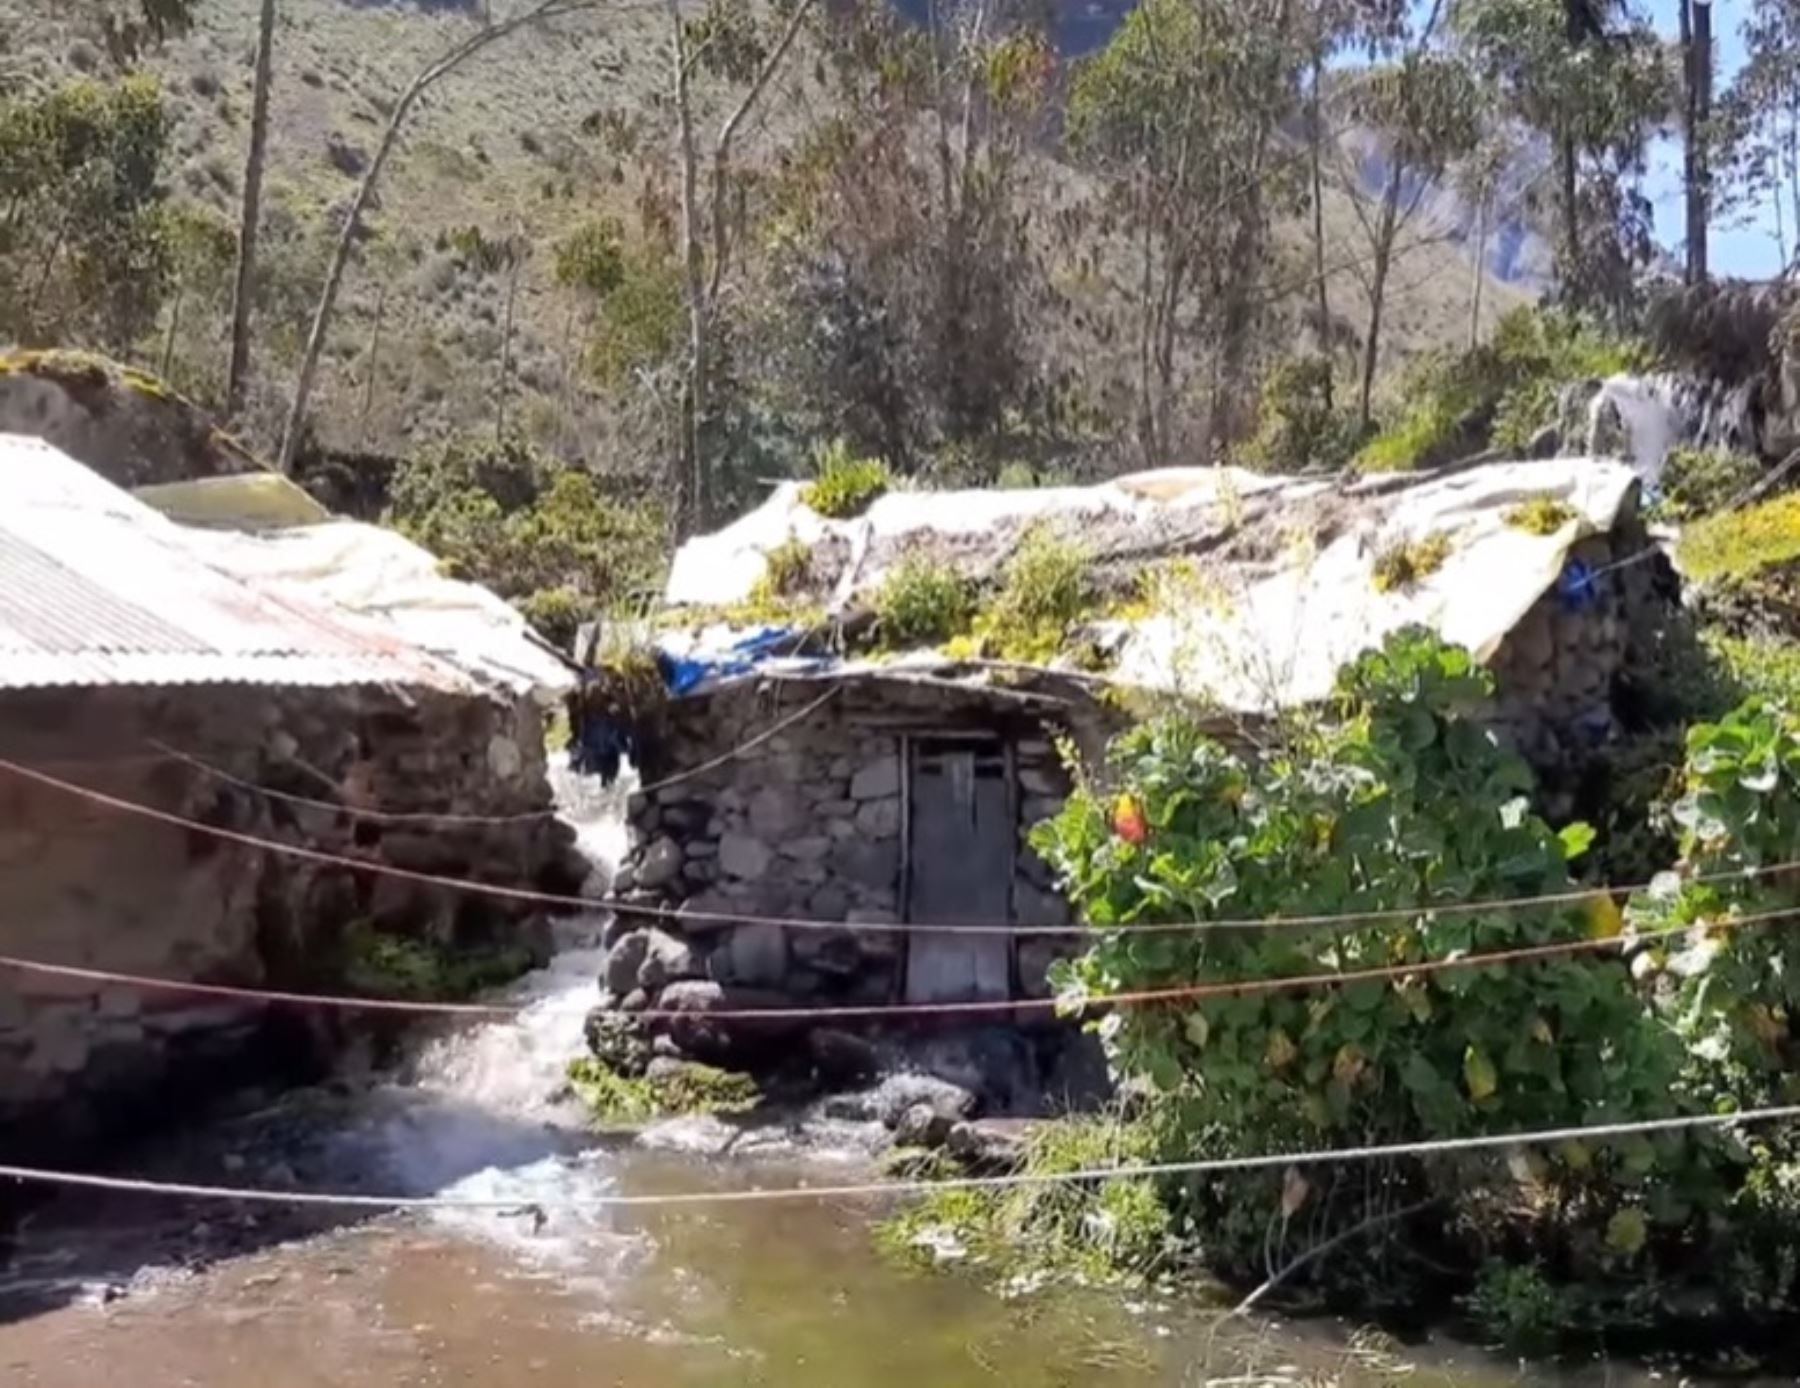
<point x="1541" y="515"/>
<point x="1741" y="545"/>
<point x="382" y="965"/>
<point x="1409" y="562"/>
<point x="923" y="602"/>
<point x="845" y="485"/>
<point x="787" y="568"/>
<point x="1758" y="666"/>
<point x="613" y="1099"/>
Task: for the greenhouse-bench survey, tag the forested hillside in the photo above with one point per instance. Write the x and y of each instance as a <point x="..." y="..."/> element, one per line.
<point x="539" y="186"/>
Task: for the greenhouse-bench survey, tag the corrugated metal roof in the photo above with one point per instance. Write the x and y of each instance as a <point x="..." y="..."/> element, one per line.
<point x="96" y="588"/>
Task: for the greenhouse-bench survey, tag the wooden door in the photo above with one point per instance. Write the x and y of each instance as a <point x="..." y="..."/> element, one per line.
<point x="959" y="859"/>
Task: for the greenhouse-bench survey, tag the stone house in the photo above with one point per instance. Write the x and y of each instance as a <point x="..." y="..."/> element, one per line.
<point x="166" y="668"/>
<point x="908" y="796"/>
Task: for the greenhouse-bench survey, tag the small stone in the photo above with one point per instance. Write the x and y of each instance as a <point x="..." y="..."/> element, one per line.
<point x="879" y="819"/>
<point x="871" y="864"/>
<point x="829" y="903"/>
<point x="809" y="874"/>
<point x="624" y="960"/>
<point x="922" y="1126"/>
<point x="989" y="1145"/>
<point x="1035" y="780"/>
<point x="774" y="813"/>
<point x="666" y="959"/>
<point x="899" y="1093"/>
<point x="504" y="758"/>
<point x="838" y="808"/>
<point x="756" y="955"/>
<point x="636" y="1000"/>
<point x="1034" y="907"/>
<point x="811" y="849"/>
<point x="744" y="857"/>
<point x="1035" y="809"/>
<point x="1034" y="960"/>
<point x="877" y="780"/>
<point x="701" y="848"/>
<point x="840" y="829"/>
<point x="834" y="952"/>
<point x="660" y="864"/>
<point x="870" y="915"/>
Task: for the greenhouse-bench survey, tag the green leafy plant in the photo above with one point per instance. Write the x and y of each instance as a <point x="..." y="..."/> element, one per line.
<point x="845" y="485"/>
<point x="1520" y="1309"/>
<point x="1046" y="587"/>
<point x="1400" y="801"/>
<point x="1541" y="515"/>
<point x="785" y="574"/>
<point x="380" y="964"/>
<point x="1297" y="429"/>
<point x="1407" y="562"/>
<point x="923" y="602"/>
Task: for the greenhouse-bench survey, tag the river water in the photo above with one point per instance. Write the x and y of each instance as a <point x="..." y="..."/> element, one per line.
<point x="155" y="1293"/>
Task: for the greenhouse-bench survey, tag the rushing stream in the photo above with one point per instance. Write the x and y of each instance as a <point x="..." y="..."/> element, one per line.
<point x="157" y="1293"/>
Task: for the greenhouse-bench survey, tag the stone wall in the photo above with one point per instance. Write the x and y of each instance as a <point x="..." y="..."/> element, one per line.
<point x="809" y="825"/>
<point x="1557" y="672"/>
<point x="86" y="885"/>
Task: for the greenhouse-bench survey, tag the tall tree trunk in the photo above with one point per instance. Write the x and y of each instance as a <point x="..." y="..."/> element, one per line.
<point x="368" y="400"/>
<point x="250" y="217"/>
<point x="1378" y="275"/>
<point x="693" y="392"/>
<point x="1316" y="133"/>
<point x="1478" y="278"/>
<point x="1696" y="54"/>
<point x="506" y="338"/>
<point x="340" y="259"/>
<point x="1570" y="210"/>
<point x="168" y="352"/>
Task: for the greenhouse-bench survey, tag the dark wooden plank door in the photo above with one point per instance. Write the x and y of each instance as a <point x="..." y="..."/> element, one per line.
<point x="959" y="858"/>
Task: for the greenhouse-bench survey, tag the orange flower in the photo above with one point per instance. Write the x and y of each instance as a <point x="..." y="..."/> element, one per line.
<point x="1128" y="820"/>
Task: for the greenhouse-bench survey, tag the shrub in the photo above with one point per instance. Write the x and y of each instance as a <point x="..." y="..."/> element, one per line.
<point x="923" y="602"/>
<point x="1423" y="436"/>
<point x="1399" y="803"/>
<point x="1542" y="515"/>
<point x="845" y="485"/>
<point x="1407" y="562"/>
<point x="788" y="567"/>
<point x="1297" y="430"/>
<point x="1698" y="481"/>
<point x="538" y="532"/>
<point x="1045" y="588"/>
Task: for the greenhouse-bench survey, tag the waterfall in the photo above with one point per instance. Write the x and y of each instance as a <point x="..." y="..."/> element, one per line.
<point x="1641" y="418"/>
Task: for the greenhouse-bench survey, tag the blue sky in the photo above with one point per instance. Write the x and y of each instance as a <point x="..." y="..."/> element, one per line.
<point x="1749" y="250"/>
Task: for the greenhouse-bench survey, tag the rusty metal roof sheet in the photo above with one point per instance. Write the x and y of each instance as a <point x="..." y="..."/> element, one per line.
<point x="98" y="589"/>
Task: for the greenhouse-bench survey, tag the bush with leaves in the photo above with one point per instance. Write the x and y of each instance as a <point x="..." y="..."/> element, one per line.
<point x="1297" y="430"/>
<point x="1696" y="482"/>
<point x="538" y="532"/>
<point x="923" y="602"/>
<point x="1501" y="393"/>
<point x="1400" y="803"/>
<point x="844" y="484"/>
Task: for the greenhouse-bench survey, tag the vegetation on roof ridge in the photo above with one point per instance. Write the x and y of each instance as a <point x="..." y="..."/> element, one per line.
<point x="1739" y="545"/>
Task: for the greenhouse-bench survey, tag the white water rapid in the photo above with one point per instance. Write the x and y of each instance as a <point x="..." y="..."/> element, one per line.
<point x="1641" y="418"/>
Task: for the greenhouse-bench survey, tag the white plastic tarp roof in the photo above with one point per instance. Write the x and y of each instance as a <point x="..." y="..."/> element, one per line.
<point x="1288" y="600"/>
<point x="385" y="579"/>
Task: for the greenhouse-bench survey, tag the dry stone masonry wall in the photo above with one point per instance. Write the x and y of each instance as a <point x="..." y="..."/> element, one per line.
<point x="808" y="824"/>
<point x="85" y="885"/>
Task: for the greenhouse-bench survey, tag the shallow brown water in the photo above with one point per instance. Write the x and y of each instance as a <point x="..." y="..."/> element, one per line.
<point x="778" y="1294"/>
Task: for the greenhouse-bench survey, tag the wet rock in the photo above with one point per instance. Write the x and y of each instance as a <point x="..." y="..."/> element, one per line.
<point x="842" y="1057"/>
<point x="989" y="1145"/>
<point x="624" y="960"/>
<point x="744" y="857"/>
<point x="733" y="1042"/>
<point x="660" y="864"/>
<point x="666" y="959"/>
<point x="899" y="1093"/>
<point x="617" y="1042"/>
<point x="756" y="955"/>
<point x="921" y="1125"/>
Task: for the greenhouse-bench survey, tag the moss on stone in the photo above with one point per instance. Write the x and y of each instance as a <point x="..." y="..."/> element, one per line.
<point x="1402" y="565"/>
<point x="378" y="964"/>
<point x="614" y="1099"/>
<point x="1738" y="546"/>
<point x="1541" y="515"/>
